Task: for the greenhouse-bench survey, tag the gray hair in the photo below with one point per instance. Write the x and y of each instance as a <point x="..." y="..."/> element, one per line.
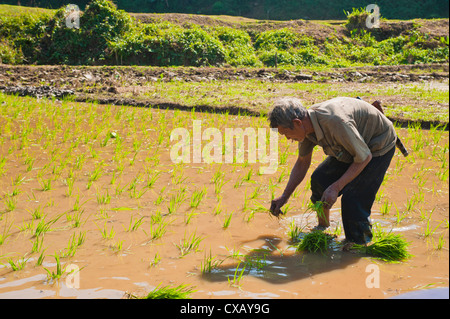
<point x="285" y="110"/>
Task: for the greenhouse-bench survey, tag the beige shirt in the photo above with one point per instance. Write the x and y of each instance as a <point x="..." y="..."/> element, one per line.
<point x="349" y="130"/>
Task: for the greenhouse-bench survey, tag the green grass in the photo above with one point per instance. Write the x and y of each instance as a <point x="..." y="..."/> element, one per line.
<point x="424" y="102"/>
<point x="19" y="11"/>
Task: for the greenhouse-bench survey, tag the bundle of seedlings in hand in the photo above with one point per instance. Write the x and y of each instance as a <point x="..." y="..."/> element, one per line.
<point x="318" y="208"/>
<point x="315" y="241"/>
<point x="387" y="247"/>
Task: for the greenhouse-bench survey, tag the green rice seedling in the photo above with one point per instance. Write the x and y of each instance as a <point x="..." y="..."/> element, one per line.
<point x="387" y="247"/>
<point x="40" y="259"/>
<point x="158" y="227"/>
<point x="156" y="260"/>
<point x="37" y="244"/>
<point x="134" y="225"/>
<point x="210" y="263"/>
<point x="386" y="207"/>
<point x="218" y="175"/>
<point x="74" y="243"/>
<point x="318" y="208"/>
<point x="5" y="233"/>
<point x="248" y="177"/>
<point x="316" y="241"/>
<point x="2" y="165"/>
<point x="440" y="244"/>
<point x="168" y="292"/>
<point x="46" y="184"/>
<point x="29" y="162"/>
<point x="180" y="178"/>
<point x="107" y="234"/>
<point x="10" y="203"/>
<point x="52" y="275"/>
<point x="118" y="246"/>
<point x="18" y="180"/>
<point x="152" y="179"/>
<point x="19" y="264"/>
<point x="197" y="197"/>
<point x="294" y="232"/>
<point x="172" y="207"/>
<point x="400" y="215"/>
<point x="245" y="207"/>
<point x="103" y="199"/>
<point x="257" y="260"/>
<point x="189" y="244"/>
<point x="284" y="156"/>
<point x="95" y="175"/>
<point x="134" y="182"/>
<point x="135" y="194"/>
<point x="119" y="189"/>
<point x="218" y="184"/>
<point x="282" y="176"/>
<point x="218" y="208"/>
<point x="102" y="214"/>
<point x="238" y="276"/>
<point x="189" y="216"/>
<point x="429" y="231"/>
<point x="285" y="209"/>
<point x="227" y="221"/>
<point x="70" y="182"/>
<point x="27" y="227"/>
<point x="76" y="218"/>
<point x="42" y="227"/>
<point x="255" y="193"/>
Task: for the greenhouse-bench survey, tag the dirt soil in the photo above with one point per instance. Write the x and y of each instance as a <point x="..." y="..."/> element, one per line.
<point x="113" y="84"/>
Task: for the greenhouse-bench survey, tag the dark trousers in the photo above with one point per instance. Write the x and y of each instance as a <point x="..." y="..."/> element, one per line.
<point x="357" y="196"/>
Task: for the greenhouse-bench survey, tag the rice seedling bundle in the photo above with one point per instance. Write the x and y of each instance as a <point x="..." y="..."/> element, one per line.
<point x="314" y="242"/>
<point x="168" y="292"/>
<point x="388" y="247"/>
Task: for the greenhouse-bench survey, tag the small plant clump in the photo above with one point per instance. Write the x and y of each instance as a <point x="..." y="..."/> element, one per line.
<point x="167" y="292"/>
<point x="316" y="241"/>
<point x="387" y="247"/>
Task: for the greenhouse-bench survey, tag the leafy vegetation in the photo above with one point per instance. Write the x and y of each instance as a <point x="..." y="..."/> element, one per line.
<point x="107" y="35"/>
<point x="270" y="9"/>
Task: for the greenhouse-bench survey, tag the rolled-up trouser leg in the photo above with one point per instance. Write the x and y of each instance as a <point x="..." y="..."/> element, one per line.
<point x="357" y="197"/>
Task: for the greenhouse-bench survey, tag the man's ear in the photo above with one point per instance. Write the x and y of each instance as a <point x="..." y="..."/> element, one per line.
<point x="297" y="122"/>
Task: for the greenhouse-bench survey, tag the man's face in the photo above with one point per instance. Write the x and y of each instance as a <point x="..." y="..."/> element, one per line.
<point x="295" y="134"/>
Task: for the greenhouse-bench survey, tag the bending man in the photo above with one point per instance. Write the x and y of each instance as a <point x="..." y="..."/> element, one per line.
<point x="360" y="143"/>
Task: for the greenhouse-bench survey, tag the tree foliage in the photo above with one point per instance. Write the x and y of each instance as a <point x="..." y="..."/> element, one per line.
<point x="107" y="35"/>
<point x="270" y="9"/>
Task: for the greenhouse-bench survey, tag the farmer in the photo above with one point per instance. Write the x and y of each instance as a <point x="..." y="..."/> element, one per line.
<point x="360" y="143"/>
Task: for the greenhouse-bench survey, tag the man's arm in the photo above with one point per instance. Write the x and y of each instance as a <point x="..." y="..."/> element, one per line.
<point x="331" y="193"/>
<point x="298" y="173"/>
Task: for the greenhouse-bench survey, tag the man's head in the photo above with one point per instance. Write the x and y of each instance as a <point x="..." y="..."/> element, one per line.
<point x="287" y="116"/>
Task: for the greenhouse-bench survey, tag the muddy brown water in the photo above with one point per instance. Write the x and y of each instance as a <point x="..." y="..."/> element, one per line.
<point x="130" y="262"/>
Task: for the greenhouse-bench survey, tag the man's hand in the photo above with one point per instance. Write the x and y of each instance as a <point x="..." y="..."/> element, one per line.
<point x="277" y="203"/>
<point x="330" y="196"/>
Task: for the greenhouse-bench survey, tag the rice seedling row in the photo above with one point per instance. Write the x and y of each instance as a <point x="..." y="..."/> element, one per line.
<point x="95" y="186"/>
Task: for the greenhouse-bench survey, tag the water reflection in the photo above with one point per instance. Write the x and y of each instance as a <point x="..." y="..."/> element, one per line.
<point x="271" y="264"/>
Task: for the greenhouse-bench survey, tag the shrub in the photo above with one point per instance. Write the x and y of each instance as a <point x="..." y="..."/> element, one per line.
<point x="275" y="57"/>
<point x="238" y="47"/>
<point x="9" y="54"/>
<point x="282" y="39"/>
<point x="99" y="24"/>
<point x="356" y="19"/>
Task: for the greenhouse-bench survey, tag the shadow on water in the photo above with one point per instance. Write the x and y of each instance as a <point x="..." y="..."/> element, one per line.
<point x="273" y="265"/>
